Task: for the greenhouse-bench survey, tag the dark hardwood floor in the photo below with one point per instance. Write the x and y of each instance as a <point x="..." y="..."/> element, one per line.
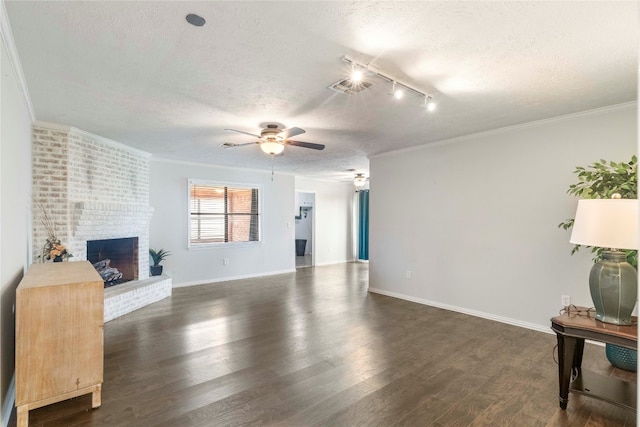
<point x="314" y="348"/>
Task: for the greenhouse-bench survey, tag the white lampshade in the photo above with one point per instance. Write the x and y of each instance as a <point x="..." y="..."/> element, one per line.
<point x="606" y="223"/>
<point x="272" y="147"/>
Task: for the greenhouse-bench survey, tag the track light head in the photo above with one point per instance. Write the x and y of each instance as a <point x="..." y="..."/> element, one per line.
<point x="429" y="103"/>
<point x="356" y="75"/>
<point x="398" y="93"/>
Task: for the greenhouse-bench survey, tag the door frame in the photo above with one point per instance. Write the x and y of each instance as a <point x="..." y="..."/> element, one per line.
<point x="313" y="224"/>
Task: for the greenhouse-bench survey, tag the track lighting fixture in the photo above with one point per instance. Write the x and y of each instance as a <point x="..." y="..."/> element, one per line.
<point x="360" y="71"/>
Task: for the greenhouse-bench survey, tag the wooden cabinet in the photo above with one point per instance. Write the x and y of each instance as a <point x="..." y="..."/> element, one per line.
<point x="59" y="335"/>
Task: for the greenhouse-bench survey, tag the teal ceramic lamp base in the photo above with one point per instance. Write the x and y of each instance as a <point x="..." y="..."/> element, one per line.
<point x="613" y="285"/>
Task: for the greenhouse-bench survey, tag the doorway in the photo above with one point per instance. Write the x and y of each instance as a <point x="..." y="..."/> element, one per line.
<point x="304" y="208"/>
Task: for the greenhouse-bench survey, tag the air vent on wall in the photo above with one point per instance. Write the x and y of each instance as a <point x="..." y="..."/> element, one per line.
<point x="349" y="87"/>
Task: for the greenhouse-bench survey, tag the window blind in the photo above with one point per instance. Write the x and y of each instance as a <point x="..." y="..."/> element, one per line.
<point x="220" y="214"/>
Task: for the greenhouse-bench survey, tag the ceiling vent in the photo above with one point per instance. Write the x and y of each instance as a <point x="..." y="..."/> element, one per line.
<point x="349" y="87"/>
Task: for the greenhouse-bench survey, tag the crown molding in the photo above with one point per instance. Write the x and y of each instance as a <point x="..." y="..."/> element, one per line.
<point x="345" y="180"/>
<point x="52" y="126"/>
<point x="14" y="60"/>
<point x="80" y="132"/>
<point x="211" y="165"/>
<point x="522" y="126"/>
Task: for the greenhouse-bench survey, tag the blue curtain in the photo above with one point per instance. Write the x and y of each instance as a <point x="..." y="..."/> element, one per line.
<point x="363" y="228"/>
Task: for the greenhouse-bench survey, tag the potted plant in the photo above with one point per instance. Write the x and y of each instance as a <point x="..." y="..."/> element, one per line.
<point x="157" y="257"/>
<point x="600" y="181"/>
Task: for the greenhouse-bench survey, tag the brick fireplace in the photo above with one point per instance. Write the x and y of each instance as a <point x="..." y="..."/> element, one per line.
<point x="93" y="189"/>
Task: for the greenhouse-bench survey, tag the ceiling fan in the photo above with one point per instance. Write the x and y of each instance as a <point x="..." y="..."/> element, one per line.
<point x="272" y="139"/>
<point x="359" y="179"/>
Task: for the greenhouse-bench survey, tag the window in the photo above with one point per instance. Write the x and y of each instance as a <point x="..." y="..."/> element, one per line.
<point x="220" y="213"/>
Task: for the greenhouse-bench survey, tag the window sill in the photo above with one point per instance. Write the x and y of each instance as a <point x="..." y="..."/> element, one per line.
<point x="222" y="245"/>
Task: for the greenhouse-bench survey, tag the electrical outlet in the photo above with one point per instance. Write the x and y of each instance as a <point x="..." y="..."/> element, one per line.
<point x="565" y="300"/>
<point x="408" y="274"/>
<point x="225" y="261"/>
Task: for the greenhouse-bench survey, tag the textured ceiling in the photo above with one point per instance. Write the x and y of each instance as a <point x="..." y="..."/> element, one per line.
<point x="138" y="73"/>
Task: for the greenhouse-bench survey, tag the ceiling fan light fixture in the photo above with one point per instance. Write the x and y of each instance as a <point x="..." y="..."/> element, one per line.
<point x="272" y="139"/>
<point x="272" y="147"/>
<point x="359" y="180"/>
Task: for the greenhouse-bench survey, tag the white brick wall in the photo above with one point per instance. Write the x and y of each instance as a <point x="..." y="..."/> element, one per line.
<point x="106" y="173"/>
<point x="50" y="184"/>
<point x="92" y="189"/>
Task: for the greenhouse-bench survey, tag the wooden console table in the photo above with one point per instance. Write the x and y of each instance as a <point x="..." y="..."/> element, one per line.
<point x="59" y="335"/>
<point x="572" y="329"/>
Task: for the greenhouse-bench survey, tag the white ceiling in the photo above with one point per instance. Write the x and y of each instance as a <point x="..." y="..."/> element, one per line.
<point x="138" y="73"/>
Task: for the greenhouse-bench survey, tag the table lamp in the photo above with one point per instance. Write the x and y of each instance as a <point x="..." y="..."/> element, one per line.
<point x="611" y="224"/>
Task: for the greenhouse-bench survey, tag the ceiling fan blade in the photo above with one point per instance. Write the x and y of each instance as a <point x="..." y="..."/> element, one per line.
<point x="233" y="144"/>
<point x="288" y="133"/>
<point x="305" y="144"/>
<point x="246" y="133"/>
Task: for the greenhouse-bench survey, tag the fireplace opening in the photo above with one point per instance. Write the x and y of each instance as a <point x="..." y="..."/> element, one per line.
<point x="115" y="259"/>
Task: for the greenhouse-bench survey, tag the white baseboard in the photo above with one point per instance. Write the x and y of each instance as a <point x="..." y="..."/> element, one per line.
<point x="230" y="278"/>
<point x="324" y="264"/>
<point x="9" y="401"/>
<point x="489" y="316"/>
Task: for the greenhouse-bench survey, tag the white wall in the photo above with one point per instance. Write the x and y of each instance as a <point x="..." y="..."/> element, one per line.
<point x="475" y="219"/>
<point x="15" y="188"/>
<point x="333" y="211"/>
<point x="168" y="230"/>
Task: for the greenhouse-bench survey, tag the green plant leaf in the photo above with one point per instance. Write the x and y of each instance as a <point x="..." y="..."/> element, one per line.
<point x="601" y="180"/>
